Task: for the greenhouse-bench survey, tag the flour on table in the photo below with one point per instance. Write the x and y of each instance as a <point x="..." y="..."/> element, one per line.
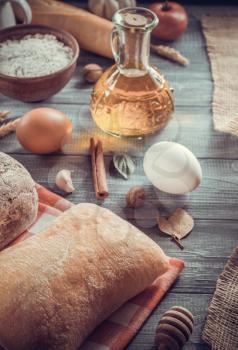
<point x="33" y="56"/>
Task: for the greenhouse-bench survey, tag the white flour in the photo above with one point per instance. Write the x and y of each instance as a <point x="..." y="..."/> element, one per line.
<point x="33" y="56"/>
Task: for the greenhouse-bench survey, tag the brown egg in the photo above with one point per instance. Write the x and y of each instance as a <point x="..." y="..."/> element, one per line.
<point x="43" y="130"/>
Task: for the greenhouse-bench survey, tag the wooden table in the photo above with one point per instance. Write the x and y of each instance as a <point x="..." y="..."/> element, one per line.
<point x="214" y="204"/>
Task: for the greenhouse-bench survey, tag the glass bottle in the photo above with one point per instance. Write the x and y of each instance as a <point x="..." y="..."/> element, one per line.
<point x="132" y="99"/>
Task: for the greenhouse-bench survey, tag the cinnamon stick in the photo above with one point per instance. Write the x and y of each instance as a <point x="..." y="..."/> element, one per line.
<point x="98" y="169"/>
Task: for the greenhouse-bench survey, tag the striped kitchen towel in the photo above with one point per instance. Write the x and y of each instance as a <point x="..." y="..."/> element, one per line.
<point x="117" y="331"/>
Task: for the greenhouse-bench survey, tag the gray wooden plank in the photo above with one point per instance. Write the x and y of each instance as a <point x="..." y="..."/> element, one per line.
<point x="196" y="303"/>
<point x="188" y="91"/>
<point x="206" y="250"/>
<point x="192" y="128"/>
<point x="216" y="198"/>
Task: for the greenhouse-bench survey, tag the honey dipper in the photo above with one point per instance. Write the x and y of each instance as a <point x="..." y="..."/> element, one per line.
<point x="174" y="329"/>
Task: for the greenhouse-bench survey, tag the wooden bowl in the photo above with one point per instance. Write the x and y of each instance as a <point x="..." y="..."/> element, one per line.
<point x="38" y="88"/>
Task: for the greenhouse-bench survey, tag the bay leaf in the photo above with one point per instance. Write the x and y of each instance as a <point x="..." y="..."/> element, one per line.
<point x="165" y="226"/>
<point x="180" y="223"/>
<point x="124" y="164"/>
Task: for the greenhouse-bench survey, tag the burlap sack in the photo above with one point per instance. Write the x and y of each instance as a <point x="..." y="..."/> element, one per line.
<point x="221" y="33"/>
<point x="221" y="327"/>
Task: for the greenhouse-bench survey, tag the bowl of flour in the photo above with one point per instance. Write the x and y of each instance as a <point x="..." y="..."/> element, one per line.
<point x="36" y="61"/>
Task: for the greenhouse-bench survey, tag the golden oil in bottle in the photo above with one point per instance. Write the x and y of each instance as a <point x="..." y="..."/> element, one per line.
<point x="132" y="99"/>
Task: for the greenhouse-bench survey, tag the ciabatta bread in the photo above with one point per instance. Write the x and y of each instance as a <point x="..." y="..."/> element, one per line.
<point x="57" y="286"/>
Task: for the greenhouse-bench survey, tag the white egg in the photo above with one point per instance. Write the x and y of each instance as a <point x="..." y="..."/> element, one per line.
<point x="172" y="168"/>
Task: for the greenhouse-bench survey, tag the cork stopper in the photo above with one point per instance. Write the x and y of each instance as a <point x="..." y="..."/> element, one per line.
<point x="136" y="18"/>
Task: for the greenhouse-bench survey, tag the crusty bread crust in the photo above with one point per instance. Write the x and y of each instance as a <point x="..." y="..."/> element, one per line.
<point x="18" y="199"/>
<point x="57" y="286"/>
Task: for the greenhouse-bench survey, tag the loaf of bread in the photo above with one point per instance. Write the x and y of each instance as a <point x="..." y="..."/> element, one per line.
<point x="18" y="199"/>
<point x="92" y="32"/>
<point x="57" y="286"/>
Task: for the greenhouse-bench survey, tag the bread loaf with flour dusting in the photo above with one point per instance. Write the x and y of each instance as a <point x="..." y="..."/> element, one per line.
<point x="91" y="32"/>
<point x="58" y="285"/>
<point x="18" y="199"/>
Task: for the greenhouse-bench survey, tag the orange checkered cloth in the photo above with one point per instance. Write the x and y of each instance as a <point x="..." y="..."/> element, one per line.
<point x="117" y="331"/>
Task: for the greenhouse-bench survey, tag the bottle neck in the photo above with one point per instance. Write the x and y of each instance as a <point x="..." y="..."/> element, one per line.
<point x="134" y="51"/>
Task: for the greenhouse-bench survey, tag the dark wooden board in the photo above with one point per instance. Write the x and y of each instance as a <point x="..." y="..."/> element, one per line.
<point x="214" y="205"/>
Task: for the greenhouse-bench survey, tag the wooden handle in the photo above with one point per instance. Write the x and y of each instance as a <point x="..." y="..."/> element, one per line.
<point x="174" y="328"/>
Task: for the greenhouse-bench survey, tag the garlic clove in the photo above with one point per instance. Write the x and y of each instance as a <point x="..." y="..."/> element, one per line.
<point x="64" y="181"/>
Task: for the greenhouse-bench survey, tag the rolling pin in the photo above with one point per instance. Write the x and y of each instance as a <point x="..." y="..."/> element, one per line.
<point x="91" y="32"/>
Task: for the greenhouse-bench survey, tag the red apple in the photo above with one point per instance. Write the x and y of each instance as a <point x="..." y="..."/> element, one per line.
<point x="173" y="20"/>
